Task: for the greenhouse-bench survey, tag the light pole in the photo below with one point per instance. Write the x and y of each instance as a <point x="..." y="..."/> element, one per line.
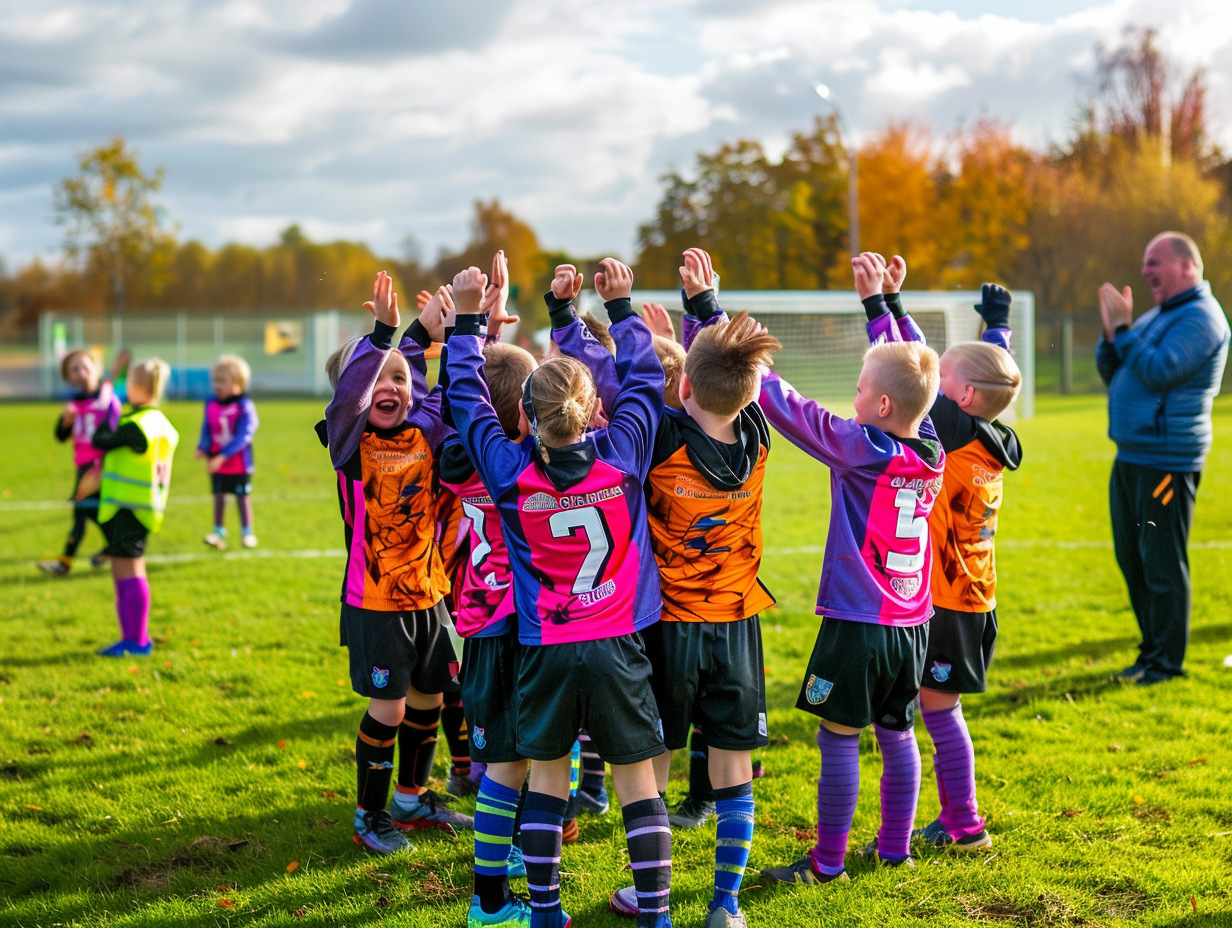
<point x="853" y="166"/>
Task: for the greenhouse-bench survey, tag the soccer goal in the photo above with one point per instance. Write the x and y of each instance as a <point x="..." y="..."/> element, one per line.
<point x="824" y="337"/>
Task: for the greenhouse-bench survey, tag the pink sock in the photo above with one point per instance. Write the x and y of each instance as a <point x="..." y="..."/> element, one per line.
<point x="837" y="790"/>
<point x="955" y="766"/>
<point x="900" y="791"/>
<point x="133" y="609"/>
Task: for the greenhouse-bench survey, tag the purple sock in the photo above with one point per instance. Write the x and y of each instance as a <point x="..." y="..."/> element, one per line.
<point x="900" y="791"/>
<point x="837" y="790"/>
<point x="133" y="609"/>
<point x="244" y="502"/>
<point x="955" y="766"/>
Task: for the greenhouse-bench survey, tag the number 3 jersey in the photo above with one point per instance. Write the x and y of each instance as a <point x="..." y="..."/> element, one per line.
<point x="574" y="519"/>
<point x="878" y="559"/>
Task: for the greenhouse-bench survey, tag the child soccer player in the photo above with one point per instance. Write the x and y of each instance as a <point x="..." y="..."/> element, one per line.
<point x="227" y="430"/>
<point x="384" y="432"/>
<point x="585" y="583"/>
<point x="886" y="469"/>
<point x="94" y="405"/>
<point x="133" y="497"/>
<point x="979" y="381"/>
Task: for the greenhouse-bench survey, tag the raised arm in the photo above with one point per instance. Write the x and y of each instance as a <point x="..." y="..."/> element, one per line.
<point x="836" y="442"/>
<point x="575" y="340"/>
<point x="698" y="294"/>
<point x="994" y="309"/>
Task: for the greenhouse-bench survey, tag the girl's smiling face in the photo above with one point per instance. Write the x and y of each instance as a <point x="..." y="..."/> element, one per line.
<point x="392" y="394"/>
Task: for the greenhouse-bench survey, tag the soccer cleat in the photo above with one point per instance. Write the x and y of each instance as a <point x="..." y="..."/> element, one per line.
<point x="428" y="810"/>
<point x="249" y="541"/>
<point x="517" y="866"/>
<point x="55" y="568"/>
<point x="214" y="540"/>
<point x="120" y="648"/>
<point x="869" y="852"/>
<point x="758" y="770"/>
<point x="623" y="902"/>
<point x="1133" y="673"/>
<point x="569" y="831"/>
<point x="376" y="832"/>
<point x="691" y="813"/>
<point x="99" y="560"/>
<point x="593" y="803"/>
<point x="721" y="918"/>
<point x="462" y="786"/>
<point x="801" y="872"/>
<point x="513" y="914"/>
<point x="1151" y="677"/>
<point x="935" y="835"/>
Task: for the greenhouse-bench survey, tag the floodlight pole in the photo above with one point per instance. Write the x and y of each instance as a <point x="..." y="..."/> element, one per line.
<point x="853" y="168"/>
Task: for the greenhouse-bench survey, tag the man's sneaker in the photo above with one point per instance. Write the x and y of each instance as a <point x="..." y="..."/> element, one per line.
<point x="56" y="568"/>
<point x="569" y="831"/>
<point x="513" y="914"/>
<point x="517" y="866"/>
<point x="120" y="648"/>
<point x="249" y="541"/>
<point x="935" y="835"/>
<point x="1151" y="677"/>
<point x="691" y="813"/>
<point x="461" y="785"/>
<point x="721" y="918"/>
<point x="99" y="560"/>
<point x="801" y="872"/>
<point x="376" y="832"/>
<point x="214" y="540"/>
<point x="623" y="902"/>
<point x="593" y="803"/>
<point x="428" y="810"/>
<point x="1133" y="673"/>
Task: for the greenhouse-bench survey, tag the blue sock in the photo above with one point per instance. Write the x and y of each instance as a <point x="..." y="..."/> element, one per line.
<point x="734" y="805"/>
<point x="220" y="530"/>
<point x="495" y="810"/>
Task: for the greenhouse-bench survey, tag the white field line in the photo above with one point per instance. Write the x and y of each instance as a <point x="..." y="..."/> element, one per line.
<point x="1021" y="543"/>
<point x="38" y="505"/>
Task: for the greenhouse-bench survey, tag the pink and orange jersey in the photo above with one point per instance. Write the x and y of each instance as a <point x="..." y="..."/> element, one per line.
<point x="227" y="428"/>
<point x="89" y="412"/>
<point x="575" y="525"/>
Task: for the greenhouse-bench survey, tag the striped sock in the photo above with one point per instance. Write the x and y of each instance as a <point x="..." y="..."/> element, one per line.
<point x="542" y="816"/>
<point x="900" y="791"/>
<point x="593" y="769"/>
<point x="954" y="763"/>
<point x="650" y="854"/>
<point x="453" y="721"/>
<point x="837" y="790"/>
<point x="416" y="749"/>
<point x="374" y="758"/>
<point x="495" y="809"/>
<point x="734" y="805"/>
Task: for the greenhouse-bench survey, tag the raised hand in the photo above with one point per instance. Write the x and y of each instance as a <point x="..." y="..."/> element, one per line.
<point x="615" y="281"/>
<point x="468" y="287"/>
<point x="422" y="298"/>
<point x="384" y="302"/>
<point x="1117" y="309"/>
<point x="567" y="283"/>
<point x="697" y="275"/>
<point x="496" y="297"/>
<point x="994" y="306"/>
<point x="432" y="314"/>
<point x="658" y="320"/>
<point x="869" y="274"/>
<point x="894" y="274"/>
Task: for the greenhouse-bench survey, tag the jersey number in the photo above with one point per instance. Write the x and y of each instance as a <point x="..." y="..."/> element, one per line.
<point x="484" y="548"/>
<point x="909" y="527"/>
<point x="566" y="523"/>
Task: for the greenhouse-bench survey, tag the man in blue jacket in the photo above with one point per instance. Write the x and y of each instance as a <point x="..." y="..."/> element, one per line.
<point x="1163" y="373"/>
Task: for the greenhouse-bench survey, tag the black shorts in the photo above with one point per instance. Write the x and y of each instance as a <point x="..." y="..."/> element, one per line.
<point x="490" y="697"/>
<point x="960" y="646"/>
<point x="125" y="535"/>
<point x="237" y="484"/>
<point x="711" y="674"/>
<point x="601" y="686"/>
<point x="394" y="651"/>
<point x="860" y="674"/>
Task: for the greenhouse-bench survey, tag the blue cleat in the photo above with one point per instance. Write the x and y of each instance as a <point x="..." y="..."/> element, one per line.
<point x="427" y="810"/>
<point x="593" y="803"/>
<point x="120" y="648"/>
<point x="376" y="832"/>
<point x="513" y="914"/>
<point x="935" y="835"/>
<point x="517" y="866"/>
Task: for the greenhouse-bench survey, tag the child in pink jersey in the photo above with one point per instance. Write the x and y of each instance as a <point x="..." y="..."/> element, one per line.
<point x="93" y="405"/>
<point x="227" y="430"/>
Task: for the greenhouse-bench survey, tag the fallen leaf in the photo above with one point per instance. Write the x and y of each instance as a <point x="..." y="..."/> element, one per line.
<point x="1114" y="747"/>
<point x="292" y="866"/>
<point x="329" y="794"/>
<point x="84" y="736"/>
<point x="282" y="745"/>
<point x="1138" y="800"/>
<point x="224" y="887"/>
<point x="1070" y="813"/>
<point x="194" y="643"/>
<point x="167" y="665"/>
<point x="300" y="913"/>
<point x="134" y="670"/>
<point x="225" y="903"/>
<point x="35" y="808"/>
<point x="341" y="682"/>
<point x="308" y="694"/>
<point x="47" y="730"/>
<point x="1196" y="761"/>
<point x="1193" y="900"/>
<point x="302" y="764"/>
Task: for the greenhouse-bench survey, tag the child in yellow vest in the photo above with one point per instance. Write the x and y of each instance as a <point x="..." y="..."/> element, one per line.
<point x="133" y="497"/>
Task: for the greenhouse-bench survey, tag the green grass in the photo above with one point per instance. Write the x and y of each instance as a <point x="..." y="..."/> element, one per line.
<point x="176" y="790"/>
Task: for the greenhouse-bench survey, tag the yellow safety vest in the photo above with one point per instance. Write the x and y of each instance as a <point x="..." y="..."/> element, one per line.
<point x="139" y="482"/>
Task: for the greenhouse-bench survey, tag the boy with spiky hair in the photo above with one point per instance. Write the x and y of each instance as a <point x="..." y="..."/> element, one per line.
<point x="886" y="470"/>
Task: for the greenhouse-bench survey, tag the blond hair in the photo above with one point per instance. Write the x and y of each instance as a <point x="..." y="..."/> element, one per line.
<point x="95" y="356"/>
<point x="151" y="375"/>
<point x="337" y="361"/>
<point x="562" y="393"/>
<point x="724" y="364"/>
<point x="671" y="358"/>
<point x="990" y="370"/>
<point x="908" y="373"/>
<point x="234" y="367"/>
<point x="505" y="368"/>
<point x="600" y="330"/>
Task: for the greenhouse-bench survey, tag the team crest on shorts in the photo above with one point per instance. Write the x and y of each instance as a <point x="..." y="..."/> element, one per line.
<point x="380" y="678"/>
<point x="478" y="738"/>
<point x="817" y="691"/>
<point x="940" y="672"/>
<point x="761" y="724"/>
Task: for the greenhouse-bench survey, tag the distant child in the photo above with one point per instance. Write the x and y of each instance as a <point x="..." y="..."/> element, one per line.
<point x="227" y="430"/>
<point x="979" y="381"/>
<point x="384" y="433"/>
<point x="133" y="497"/>
<point x="94" y="405"/>
<point x="585" y="583"/>
<point x="886" y="470"/>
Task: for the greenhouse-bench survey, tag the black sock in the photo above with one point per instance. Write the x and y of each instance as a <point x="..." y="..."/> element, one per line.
<point x="517" y="822"/>
<point x="543" y="816"/>
<point x="649" y="836"/>
<point x="374" y="759"/>
<point x="78" y="532"/>
<point x="699" y="767"/>
<point x="593" y="768"/>
<point x="416" y="749"/>
<point x="453" y="720"/>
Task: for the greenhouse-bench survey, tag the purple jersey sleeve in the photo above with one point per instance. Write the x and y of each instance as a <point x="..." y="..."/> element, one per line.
<point x="700" y="312"/>
<point x="999" y="337"/>
<point x="245" y="429"/>
<point x="639" y="405"/>
<point x="203" y="444"/>
<point x="575" y="341"/>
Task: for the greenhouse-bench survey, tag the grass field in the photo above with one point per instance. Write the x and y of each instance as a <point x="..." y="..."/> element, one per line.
<point x="212" y="784"/>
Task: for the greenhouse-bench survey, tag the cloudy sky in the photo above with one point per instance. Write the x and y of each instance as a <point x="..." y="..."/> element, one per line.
<point x="378" y="119"/>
